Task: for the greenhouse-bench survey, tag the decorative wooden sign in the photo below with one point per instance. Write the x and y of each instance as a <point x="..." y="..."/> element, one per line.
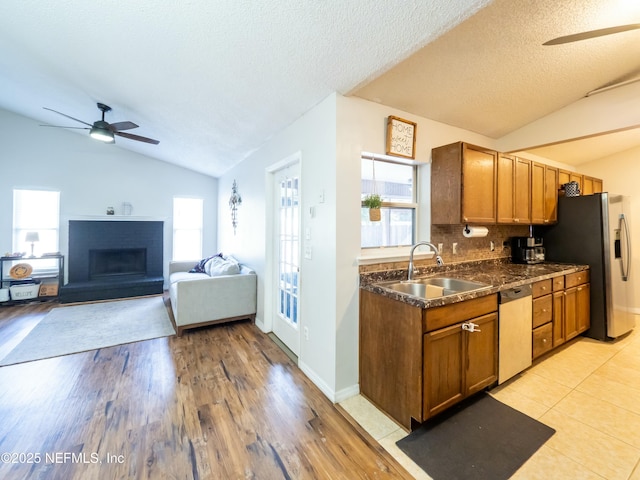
<point x="401" y="137"/>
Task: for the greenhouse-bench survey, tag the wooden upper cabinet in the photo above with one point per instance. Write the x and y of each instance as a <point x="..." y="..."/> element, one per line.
<point x="471" y="184"/>
<point x="550" y="194"/>
<point x="576" y="177"/>
<point x="597" y="185"/>
<point x="506" y="197"/>
<point x="463" y="184"/>
<point x="564" y="176"/>
<point x="514" y="190"/>
<point x="522" y="193"/>
<point x="537" y="193"/>
<point x="587" y="186"/>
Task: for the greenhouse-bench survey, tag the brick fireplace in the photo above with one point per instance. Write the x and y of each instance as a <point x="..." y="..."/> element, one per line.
<point x="113" y="259"/>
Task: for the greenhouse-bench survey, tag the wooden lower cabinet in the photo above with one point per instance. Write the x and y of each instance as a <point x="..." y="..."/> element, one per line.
<point x="571" y="312"/>
<point x="459" y="363"/>
<point x="542" y="339"/>
<point x="417" y="362"/>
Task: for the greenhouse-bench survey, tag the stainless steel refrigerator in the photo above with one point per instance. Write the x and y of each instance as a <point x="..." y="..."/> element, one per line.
<point x="594" y="230"/>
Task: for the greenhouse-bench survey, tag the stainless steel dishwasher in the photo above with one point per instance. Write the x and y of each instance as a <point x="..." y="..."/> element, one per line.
<point x="514" y="332"/>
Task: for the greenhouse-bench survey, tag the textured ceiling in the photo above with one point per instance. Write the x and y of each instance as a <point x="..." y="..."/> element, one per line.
<point x="212" y="80"/>
<point x="492" y="75"/>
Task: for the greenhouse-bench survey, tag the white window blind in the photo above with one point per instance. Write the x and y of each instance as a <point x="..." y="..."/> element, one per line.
<point x="36" y="211"/>
<point x="187" y="228"/>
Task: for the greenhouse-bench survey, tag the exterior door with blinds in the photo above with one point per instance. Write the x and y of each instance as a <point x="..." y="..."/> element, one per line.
<point x="286" y="323"/>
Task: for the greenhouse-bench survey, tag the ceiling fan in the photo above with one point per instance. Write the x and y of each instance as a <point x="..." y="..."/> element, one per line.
<point x="105" y="131"/>
<point x="576" y="37"/>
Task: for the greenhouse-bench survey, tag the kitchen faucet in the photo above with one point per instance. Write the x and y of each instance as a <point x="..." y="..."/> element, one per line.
<point x="439" y="260"/>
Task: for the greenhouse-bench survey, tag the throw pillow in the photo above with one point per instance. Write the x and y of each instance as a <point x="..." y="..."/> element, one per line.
<point x="199" y="267"/>
<point x="219" y="266"/>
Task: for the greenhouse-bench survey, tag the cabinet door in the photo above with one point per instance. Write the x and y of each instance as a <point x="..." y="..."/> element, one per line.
<point x="558" y="318"/>
<point x="550" y="194"/>
<point x="597" y="185"/>
<point x="570" y="313"/>
<point x="576" y="177"/>
<point x="564" y="176"/>
<point x="537" y="193"/>
<point x="583" y="307"/>
<point x="478" y="185"/>
<point x="522" y="191"/>
<point x="587" y="185"/>
<point x="443" y="369"/>
<point x="505" y="203"/>
<point x="482" y="354"/>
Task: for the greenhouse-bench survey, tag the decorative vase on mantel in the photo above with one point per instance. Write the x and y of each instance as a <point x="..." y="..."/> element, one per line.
<point x="373" y="201"/>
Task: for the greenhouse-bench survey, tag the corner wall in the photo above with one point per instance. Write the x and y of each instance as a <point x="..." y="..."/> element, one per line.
<point x="620" y="174"/>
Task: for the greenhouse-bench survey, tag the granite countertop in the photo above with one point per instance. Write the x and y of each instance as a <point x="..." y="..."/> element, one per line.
<point x="499" y="274"/>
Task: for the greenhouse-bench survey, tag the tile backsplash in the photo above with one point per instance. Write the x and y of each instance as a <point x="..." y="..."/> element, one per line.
<point x="476" y="248"/>
<point x="468" y="249"/>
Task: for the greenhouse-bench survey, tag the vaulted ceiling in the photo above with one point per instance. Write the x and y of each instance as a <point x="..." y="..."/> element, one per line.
<point x="214" y="80"/>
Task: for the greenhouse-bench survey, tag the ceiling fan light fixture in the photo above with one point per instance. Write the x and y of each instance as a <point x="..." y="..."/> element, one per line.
<point x="100" y="131"/>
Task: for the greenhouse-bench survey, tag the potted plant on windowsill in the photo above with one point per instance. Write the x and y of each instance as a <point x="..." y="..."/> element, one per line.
<point x="373" y="202"/>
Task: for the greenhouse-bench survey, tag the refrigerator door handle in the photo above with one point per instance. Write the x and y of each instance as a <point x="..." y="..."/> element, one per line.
<point x="625" y="261"/>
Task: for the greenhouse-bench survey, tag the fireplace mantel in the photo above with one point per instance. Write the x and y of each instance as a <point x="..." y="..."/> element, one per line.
<point x="119" y="218"/>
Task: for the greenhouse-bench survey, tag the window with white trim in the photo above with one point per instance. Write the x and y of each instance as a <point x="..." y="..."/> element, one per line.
<point x="36" y="224"/>
<point x="395" y="182"/>
<point x="187" y="228"/>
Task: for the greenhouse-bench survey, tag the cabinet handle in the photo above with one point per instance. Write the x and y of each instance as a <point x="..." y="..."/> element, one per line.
<point x="470" y="327"/>
<point x="544" y="340"/>
<point x="579" y="289"/>
<point x="546" y="221"/>
<point x="544" y="288"/>
<point x="516" y="219"/>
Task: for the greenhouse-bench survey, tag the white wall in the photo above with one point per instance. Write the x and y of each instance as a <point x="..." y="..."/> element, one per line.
<point x="330" y="138"/>
<point x="313" y="136"/>
<point x="92" y="176"/>
<point x="362" y="127"/>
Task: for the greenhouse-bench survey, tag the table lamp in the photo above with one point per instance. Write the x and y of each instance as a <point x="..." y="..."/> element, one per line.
<point x="32" y="237"/>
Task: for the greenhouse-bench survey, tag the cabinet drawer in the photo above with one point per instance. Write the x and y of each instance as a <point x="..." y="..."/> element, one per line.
<point x="542" y="339"/>
<point x="542" y="287"/>
<point x="577" y="278"/>
<point x="558" y="283"/>
<point x="542" y="310"/>
<point x="440" y="317"/>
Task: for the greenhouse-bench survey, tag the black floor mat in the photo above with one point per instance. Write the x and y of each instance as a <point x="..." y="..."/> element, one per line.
<point x="481" y="438"/>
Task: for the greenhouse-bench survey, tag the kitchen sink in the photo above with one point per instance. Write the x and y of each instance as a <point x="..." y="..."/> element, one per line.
<point x="435" y="287"/>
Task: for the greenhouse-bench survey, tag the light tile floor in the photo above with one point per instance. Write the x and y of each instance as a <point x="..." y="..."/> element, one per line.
<point x="588" y="391"/>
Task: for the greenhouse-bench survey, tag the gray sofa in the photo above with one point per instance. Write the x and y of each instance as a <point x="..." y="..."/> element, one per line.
<point x="198" y="299"/>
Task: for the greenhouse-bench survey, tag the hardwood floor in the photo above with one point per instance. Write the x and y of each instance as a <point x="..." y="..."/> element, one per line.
<point x="222" y="402"/>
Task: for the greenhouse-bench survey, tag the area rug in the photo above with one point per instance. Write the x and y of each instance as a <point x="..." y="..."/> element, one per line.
<point x="79" y="328"/>
<point x="480" y="438"/>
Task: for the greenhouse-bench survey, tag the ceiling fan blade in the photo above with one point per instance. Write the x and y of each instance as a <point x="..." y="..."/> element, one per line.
<point x="115" y="127"/>
<point x="131" y="136"/>
<point x="65" y="115"/>
<point x="63" y="126"/>
<point x="576" y="37"/>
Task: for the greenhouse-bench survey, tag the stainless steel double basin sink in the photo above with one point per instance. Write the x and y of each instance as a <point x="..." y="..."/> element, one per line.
<point x="434" y="287"/>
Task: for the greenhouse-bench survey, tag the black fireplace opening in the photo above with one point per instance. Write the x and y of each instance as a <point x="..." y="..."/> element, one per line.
<point x="114" y="263"/>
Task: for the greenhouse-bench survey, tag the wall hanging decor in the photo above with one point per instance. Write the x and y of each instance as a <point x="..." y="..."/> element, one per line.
<point x="234" y="202"/>
<point x="401" y="137"/>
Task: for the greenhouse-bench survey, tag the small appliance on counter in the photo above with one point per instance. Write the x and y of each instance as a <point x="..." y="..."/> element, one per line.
<point x="527" y="250"/>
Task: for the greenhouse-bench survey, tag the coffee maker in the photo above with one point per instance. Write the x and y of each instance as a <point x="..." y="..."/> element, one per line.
<point x="527" y="250"/>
